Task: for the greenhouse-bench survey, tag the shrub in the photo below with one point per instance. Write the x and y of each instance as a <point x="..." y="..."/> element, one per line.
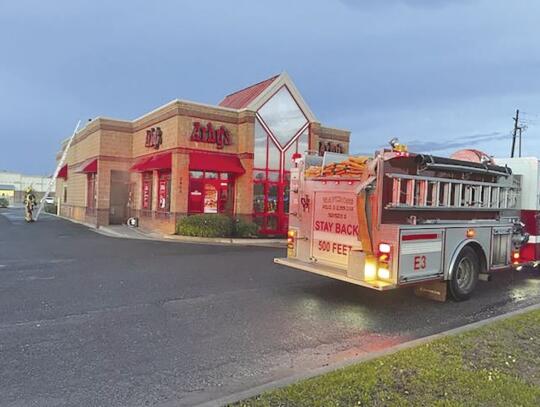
<point x="4" y="203"/>
<point x="242" y="228"/>
<point x="205" y="225"/>
<point x="215" y="225"/>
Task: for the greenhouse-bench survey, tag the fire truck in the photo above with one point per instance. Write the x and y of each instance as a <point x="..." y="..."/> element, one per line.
<point x="528" y="169"/>
<point x="399" y="219"/>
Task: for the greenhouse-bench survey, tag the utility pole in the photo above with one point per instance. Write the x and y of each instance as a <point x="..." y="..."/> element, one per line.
<point x="519" y="129"/>
<point x="514" y="134"/>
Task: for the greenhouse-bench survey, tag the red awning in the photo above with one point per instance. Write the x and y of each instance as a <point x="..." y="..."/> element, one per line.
<point x="140" y="164"/>
<point x="63" y="173"/>
<point x="154" y="162"/>
<point x="88" y="166"/>
<point x="215" y="162"/>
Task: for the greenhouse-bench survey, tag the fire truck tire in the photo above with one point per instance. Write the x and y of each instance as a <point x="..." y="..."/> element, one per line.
<point x="464" y="275"/>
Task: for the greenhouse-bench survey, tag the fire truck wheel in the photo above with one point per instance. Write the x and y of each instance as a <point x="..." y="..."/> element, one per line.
<point x="464" y="274"/>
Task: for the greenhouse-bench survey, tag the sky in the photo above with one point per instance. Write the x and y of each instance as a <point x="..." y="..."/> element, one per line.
<point x="438" y="74"/>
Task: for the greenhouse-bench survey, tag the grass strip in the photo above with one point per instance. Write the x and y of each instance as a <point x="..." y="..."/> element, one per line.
<point x="495" y="365"/>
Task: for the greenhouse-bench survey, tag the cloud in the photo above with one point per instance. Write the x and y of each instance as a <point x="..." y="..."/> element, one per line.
<point x="456" y="143"/>
<point x="420" y="70"/>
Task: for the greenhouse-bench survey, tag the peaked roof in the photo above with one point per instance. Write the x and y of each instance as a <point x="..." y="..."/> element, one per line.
<point x="242" y="98"/>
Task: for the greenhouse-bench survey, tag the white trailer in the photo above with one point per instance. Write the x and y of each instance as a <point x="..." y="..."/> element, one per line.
<point x="400" y="219"/>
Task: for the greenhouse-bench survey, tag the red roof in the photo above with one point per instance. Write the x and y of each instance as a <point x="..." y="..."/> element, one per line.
<point x="215" y="162"/>
<point x="242" y="98"/>
<point x="154" y="162"/>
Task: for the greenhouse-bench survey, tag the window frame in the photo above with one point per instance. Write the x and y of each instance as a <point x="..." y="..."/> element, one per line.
<point x="91" y="193"/>
<point x="164" y="175"/>
<point x="147" y="177"/>
<point x="230" y="186"/>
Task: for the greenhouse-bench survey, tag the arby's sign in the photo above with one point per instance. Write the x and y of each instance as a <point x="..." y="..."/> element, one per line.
<point x="154" y="137"/>
<point x="335" y="227"/>
<point x="208" y="134"/>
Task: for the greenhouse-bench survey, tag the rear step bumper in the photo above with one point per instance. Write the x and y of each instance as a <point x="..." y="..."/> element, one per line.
<point x="334" y="272"/>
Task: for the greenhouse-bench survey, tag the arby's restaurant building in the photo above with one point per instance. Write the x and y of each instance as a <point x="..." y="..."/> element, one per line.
<point x="187" y="158"/>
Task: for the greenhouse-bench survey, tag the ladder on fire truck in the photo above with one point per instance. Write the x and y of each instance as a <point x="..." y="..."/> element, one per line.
<point x="419" y="192"/>
<point x="52" y="182"/>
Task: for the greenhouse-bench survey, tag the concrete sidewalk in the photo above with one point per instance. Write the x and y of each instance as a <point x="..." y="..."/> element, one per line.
<point x="126" y="232"/>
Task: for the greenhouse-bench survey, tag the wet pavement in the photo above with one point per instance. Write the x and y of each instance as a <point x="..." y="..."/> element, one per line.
<point x="91" y="320"/>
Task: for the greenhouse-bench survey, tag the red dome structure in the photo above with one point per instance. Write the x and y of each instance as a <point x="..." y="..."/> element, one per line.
<point x="472" y="155"/>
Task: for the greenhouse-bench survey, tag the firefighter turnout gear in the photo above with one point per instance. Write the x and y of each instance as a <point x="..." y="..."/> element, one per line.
<point x="29" y="204"/>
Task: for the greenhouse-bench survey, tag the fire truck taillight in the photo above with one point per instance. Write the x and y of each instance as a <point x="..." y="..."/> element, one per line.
<point x="291" y="243"/>
<point x="383" y="256"/>
<point x="515" y="258"/>
<point x="383" y="260"/>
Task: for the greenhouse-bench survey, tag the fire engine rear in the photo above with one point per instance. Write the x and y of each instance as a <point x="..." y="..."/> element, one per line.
<point x="398" y="219"/>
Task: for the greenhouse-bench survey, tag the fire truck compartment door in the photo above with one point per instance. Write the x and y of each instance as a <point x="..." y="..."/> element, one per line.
<point x="420" y="254"/>
<point x="335" y="227"/>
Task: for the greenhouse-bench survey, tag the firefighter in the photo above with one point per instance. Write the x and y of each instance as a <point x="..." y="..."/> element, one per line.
<point x="397" y="146"/>
<point x="29" y="203"/>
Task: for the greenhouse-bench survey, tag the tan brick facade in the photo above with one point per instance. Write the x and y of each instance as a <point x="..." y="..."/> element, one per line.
<point x="117" y="145"/>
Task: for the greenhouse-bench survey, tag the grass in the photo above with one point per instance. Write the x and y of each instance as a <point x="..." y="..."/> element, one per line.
<point x="496" y="365"/>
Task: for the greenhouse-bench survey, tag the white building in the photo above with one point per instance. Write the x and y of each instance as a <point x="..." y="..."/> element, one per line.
<point x="20" y="182"/>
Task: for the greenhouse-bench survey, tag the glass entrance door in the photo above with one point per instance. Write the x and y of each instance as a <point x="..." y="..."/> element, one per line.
<point x="281" y="130"/>
<point x="210" y="192"/>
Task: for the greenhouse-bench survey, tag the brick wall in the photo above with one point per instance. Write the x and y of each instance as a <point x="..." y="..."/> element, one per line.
<point x="118" y="144"/>
<point x="321" y="133"/>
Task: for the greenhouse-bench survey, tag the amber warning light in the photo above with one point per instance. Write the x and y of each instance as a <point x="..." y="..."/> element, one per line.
<point x="515" y="258"/>
<point x="383" y="269"/>
<point x="291" y="238"/>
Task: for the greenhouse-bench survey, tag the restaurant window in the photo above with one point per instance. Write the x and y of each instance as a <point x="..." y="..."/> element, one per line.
<point x="91" y="190"/>
<point x="146" y="193"/>
<point x="282" y="116"/>
<point x="65" y="194"/>
<point x="210" y="192"/>
<point x="281" y="130"/>
<point x="258" y="198"/>
<point x="261" y="142"/>
<point x="164" y="191"/>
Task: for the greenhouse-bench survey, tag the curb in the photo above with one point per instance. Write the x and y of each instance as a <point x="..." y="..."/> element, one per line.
<point x="229" y="241"/>
<point x="88" y="225"/>
<point x="245" y="394"/>
<point x="136" y="234"/>
<point x="105" y="231"/>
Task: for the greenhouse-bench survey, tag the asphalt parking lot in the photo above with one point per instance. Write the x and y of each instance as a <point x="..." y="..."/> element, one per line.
<point x="90" y="320"/>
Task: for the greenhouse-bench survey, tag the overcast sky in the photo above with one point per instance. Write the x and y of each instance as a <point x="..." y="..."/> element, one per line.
<point x="438" y="74"/>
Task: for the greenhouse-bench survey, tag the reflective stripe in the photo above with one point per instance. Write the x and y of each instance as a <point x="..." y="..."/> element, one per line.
<point x="534" y="239"/>
<point x="421" y="236"/>
<point x="423" y="247"/>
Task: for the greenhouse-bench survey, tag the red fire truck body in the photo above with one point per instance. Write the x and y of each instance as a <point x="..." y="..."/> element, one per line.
<point x="404" y="219"/>
<point x="528" y="169"/>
